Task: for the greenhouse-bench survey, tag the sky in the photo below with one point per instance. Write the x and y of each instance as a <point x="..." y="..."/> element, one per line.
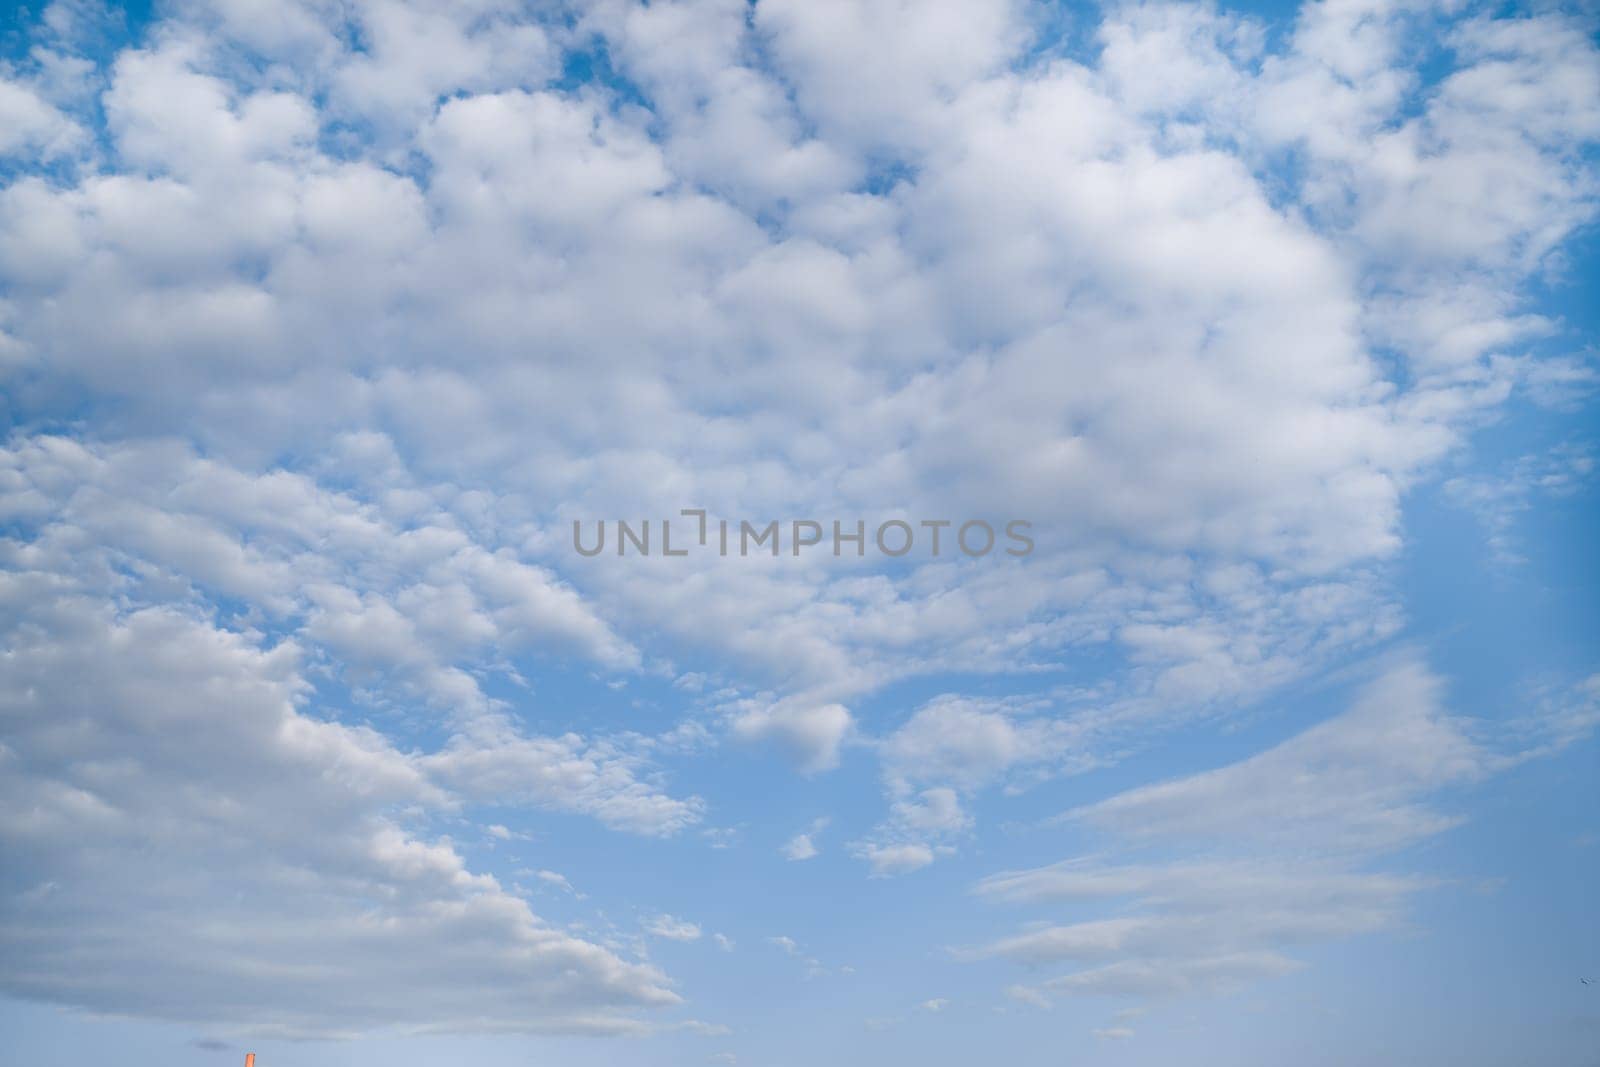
<point x="1262" y="337"/>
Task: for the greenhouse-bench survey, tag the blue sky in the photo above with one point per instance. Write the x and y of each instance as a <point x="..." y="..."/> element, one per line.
<point x="321" y="324"/>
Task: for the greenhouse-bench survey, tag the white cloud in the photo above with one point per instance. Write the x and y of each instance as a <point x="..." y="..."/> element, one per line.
<point x="900" y="62"/>
<point x="491" y="759"/>
<point x="955" y="746"/>
<point x="1272" y="853"/>
<point x="329" y="292"/>
<point x="1498" y="499"/>
<point x="555" y="878"/>
<point x="247" y="846"/>
<point x="812" y="733"/>
<point x="1351" y="783"/>
<point x="961" y="742"/>
<point x="672" y="929"/>
<point x="29" y="123"/>
<point x="889" y="860"/>
<point x="272" y="817"/>
<point x="933" y="811"/>
<point x="1027" y="995"/>
<point x="385" y="601"/>
<point x="803" y="846"/>
<point x="799" y="847"/>
<point x="869" y="348"/>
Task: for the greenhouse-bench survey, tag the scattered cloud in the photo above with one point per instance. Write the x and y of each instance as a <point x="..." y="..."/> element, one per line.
<point x="1113" y="1033"/>
<point x="888" y="860"/>
<point x="812" y="733"/>
<point x="672" y="929"/>
<point x="1227" y="907"/>
<point x="799" y="847"/>
<point x="803" y="846"/>
<point x="557" y="880"/>
<point x="1500" y="500"/>
<point x="220" y="827"/>
<point x="312" y="353"/>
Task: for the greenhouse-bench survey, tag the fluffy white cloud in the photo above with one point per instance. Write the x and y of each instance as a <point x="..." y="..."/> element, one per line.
<point x="185" y="843"/>
<point x="969" y="744"/>
<point x="351" y="309"/>
<point x="495" y="762"/>
<point x="276" y="868"/>
<point x="947" y="751"/>
<point x="402" y="593"/>
<point x="29" y="123"/>
<point x="1187" y="406"/>
<point x="812" y="732"/>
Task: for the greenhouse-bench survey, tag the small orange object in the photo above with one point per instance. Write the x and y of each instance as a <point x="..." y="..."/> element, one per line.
<point x="249" y="1059"/>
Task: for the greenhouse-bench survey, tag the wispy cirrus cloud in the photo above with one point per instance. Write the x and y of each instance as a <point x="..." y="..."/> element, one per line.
<point x="1244" y="864"/>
